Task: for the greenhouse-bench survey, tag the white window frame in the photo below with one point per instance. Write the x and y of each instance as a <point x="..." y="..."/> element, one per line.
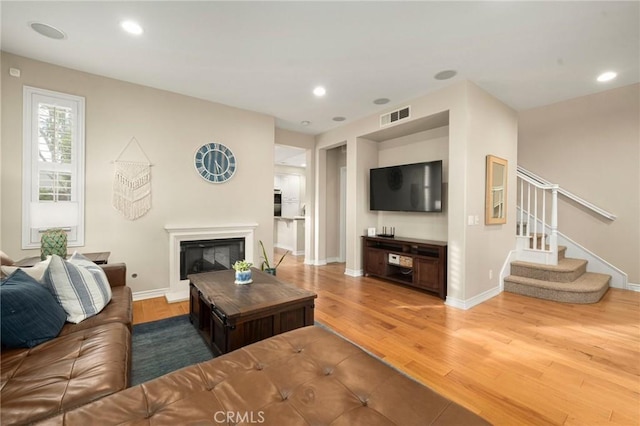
<point x="32" y="96"/>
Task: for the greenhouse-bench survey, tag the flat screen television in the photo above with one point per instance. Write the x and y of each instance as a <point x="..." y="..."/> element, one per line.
<point x="408" y="187"/>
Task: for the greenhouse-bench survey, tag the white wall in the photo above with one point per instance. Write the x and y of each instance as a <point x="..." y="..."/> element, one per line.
<point x="493" y="130"/>
<point x="336" y="158"/>
<point x="591" y="147"/>
<point x="478" y="125"/>
<point x="364" y="156"/>
<point x="170" y="128"/>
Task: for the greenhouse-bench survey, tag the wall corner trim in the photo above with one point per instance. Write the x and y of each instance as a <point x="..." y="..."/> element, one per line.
<point x="475" y="300"/>
<point x="353" y="272"/>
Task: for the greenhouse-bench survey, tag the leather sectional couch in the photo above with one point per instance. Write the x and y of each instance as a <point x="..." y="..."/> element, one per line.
<point x="86" y="362"/>
<point x="308" y="376"/>
<point x="305" y="376"/>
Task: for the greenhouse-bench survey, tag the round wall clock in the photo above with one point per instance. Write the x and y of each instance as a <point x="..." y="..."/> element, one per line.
<point x="215" y="162"/>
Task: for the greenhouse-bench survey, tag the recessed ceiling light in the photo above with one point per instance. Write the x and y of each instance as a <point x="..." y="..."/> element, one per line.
<point x="445" y="75"/>
<point x="131" y="27"/>
<point x="47" y="30"/>
<point x="305" y="123"/>
<point x="303" y="165"/>
<point x="339" y="118"/>
<point x="607" y="76"/>
<point x="319" y="91"/>
<point x="381" y="101"/>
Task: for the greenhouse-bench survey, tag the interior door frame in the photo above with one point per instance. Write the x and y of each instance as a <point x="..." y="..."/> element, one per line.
<point x="343" y="215"/>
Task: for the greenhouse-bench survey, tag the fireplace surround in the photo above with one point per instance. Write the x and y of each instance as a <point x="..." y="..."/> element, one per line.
<point x="179" y="288"/>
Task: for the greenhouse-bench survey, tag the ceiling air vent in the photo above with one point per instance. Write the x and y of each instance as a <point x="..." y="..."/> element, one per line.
<point x="394" y="116"/>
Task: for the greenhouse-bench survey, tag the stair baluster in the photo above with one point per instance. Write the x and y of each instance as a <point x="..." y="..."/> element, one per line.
<point x="536" y="246"/>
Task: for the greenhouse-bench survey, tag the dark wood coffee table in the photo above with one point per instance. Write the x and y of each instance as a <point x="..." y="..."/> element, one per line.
<point x="229" y="316"/>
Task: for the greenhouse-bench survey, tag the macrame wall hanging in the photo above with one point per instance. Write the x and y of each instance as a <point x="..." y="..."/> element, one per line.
<point x="132" y="184"/>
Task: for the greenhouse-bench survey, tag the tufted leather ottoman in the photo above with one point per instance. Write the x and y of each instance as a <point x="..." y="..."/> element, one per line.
<point x="307" y="376"/>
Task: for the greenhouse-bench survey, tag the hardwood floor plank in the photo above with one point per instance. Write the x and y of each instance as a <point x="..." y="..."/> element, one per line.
<point x="512" y="359"/>
<point x="156" y="309"/>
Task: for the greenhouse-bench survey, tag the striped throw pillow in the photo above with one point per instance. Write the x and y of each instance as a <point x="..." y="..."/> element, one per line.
<point x="79" y="285"/>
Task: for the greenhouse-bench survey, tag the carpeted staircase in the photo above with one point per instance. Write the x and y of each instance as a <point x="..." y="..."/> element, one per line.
<point x="567" y="281"/>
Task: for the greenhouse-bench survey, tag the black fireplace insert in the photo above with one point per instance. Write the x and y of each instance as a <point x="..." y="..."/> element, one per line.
<point x="209" y="255"/>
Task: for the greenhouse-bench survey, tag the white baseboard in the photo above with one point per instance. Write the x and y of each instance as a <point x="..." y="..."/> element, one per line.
<point x="354" y="272"/>
<point x="475" y="300"/>
<point x="633" y="287"/>
<point x="333" y="260"/>
<point x="149" y="294"/>
<point x="321" y="262"/>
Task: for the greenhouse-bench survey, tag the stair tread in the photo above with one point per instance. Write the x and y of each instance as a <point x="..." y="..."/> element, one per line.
<point x="566" y="264"/>
<point x="587" y="282"/>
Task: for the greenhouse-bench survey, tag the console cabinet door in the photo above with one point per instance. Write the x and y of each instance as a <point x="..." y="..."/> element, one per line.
<point x="376" y="262"/>
<point x="426" y="273"/>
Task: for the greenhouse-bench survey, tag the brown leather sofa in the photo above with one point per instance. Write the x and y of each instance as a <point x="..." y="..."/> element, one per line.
<point x="307" y="376"/>
<point x="87" y="361"/>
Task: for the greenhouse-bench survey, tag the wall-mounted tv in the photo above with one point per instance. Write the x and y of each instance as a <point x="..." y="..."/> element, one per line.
<point x="408" y="187"/>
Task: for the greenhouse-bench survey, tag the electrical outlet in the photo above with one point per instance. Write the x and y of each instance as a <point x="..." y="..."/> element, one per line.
<point x="477" y="220"/>
<point x="470" y="220"/>
<point x="490" y="274"/>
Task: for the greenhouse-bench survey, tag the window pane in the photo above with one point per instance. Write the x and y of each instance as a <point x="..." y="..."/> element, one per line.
<point x="54" y="186"/>
<point x="54" y="133"/>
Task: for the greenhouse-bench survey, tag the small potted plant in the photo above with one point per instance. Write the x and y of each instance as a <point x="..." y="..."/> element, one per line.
<point x="266" y="266"/>
<point x="243" y="272"/>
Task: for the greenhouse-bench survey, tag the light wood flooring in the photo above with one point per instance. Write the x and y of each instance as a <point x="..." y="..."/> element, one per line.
<point x="514" y="360"/>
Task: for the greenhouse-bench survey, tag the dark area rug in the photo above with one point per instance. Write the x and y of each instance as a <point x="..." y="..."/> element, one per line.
<point x="160" y="347"/>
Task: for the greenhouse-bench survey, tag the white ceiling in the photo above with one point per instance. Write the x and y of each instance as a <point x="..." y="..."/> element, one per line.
<point x="267" y="56"/>
<point x="290" y="156"/>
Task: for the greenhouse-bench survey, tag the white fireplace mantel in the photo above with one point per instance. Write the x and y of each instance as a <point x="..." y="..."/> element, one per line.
<point x="179" y="289"/>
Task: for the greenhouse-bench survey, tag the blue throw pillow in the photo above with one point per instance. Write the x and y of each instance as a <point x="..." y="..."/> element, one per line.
<point x="30" y="315"/>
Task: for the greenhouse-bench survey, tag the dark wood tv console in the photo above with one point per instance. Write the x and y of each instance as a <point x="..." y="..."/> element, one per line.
<point x="418" y="263"/>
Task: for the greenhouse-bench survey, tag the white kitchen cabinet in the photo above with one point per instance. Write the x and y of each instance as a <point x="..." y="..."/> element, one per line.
<point x="289" y="184"/>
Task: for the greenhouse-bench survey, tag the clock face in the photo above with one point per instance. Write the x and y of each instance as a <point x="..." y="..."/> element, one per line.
<point x="215" y="162"/>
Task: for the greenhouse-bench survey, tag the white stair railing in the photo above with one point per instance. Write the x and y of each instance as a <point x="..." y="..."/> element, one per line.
<point x="533" y="244"/>
<point x="522" y="172"/>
